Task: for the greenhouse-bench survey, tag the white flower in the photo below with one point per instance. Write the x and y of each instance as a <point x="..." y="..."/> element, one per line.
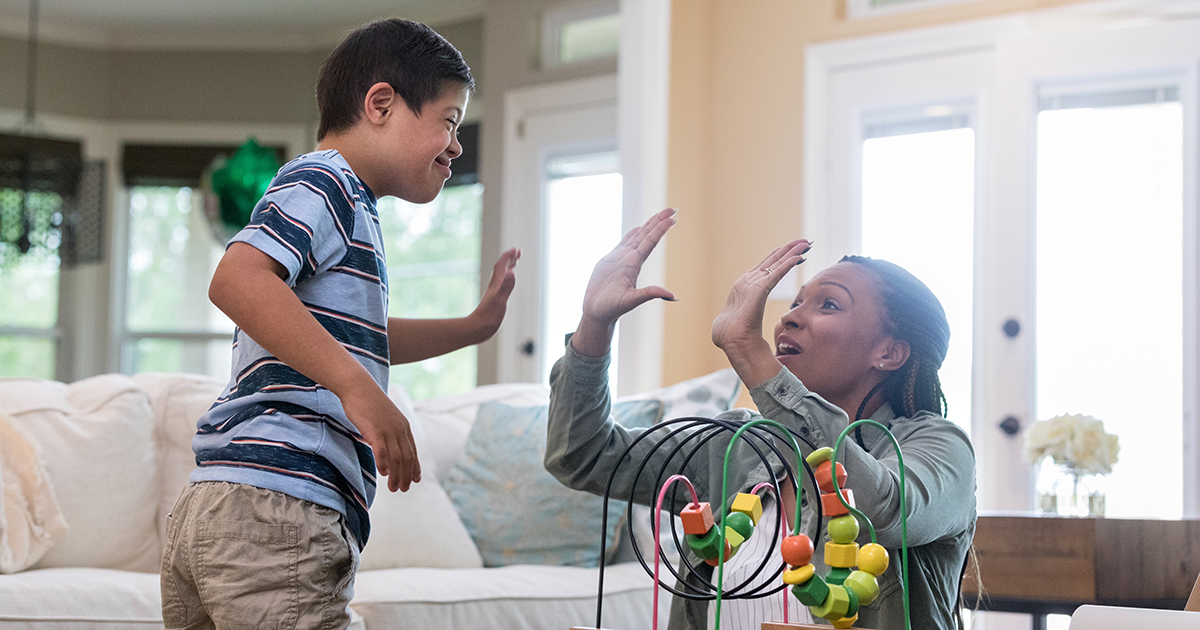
<point x="1073" y="440"/>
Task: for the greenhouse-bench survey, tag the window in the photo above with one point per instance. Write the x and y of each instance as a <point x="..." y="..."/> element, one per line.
<point x="39" y="196"/>
<point x="28" y="282"/>
<point x="433" y="272"/>
<point x="1085" y="232"/>
<point x="171" y="326"/>
<point x="578" y="33"/>
<point x="583" y="196"/>
<point x="918" y="207"/>
<point x="1110" y="184"/>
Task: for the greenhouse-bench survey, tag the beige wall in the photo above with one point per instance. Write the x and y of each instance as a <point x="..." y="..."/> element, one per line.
<point x="735" y="145"/>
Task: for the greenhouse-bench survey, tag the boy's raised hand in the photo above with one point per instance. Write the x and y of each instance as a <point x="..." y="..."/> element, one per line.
<point x="389" y="434"/>
<point x="489" y="314"/>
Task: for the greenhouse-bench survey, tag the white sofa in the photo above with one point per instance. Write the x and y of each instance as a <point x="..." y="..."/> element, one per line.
<point x="90" y="470"/>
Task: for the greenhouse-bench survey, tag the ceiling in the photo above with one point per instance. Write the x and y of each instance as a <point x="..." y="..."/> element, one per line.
<point x="215" y="24"/>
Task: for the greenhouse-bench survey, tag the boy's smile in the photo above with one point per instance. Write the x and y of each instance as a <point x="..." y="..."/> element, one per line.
<point x="419" y="148"/>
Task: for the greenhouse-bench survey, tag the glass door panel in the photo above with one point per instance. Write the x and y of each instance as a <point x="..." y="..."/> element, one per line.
<point x="1109" y="287"/>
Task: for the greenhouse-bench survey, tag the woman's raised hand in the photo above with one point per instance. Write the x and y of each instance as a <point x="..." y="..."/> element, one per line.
<point x="612" y="290"/>
<point x="738" y="328"/>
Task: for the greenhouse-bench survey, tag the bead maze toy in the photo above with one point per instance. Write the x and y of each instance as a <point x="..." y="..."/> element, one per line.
<point x="836" y="595"/>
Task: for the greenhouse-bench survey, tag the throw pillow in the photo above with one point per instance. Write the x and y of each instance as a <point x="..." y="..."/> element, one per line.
<point x="418" y="528"/>
<point x="517" y="512"/>
<point x="703" y="396"/>
<point x="30" y="519"/>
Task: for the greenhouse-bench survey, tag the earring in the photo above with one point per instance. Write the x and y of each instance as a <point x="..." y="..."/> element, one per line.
<point x="881" y="366"/>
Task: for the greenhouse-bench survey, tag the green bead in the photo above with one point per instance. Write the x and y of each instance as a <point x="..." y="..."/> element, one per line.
<point x="837" y="575"/>
<point x="843" y="529"/>
<point x="707" y="546"/>
<point x="811" y="593"/>
<point x="740" y="523"/>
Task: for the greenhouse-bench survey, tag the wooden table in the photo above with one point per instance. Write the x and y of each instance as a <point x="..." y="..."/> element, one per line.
<point x="1045" y="564"/>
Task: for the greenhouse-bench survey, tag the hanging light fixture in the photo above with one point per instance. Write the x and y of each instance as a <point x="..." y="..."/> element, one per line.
<point x="39" y="175"/>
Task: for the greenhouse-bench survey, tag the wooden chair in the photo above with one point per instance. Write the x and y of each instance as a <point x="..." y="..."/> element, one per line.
<point x="1193" y="602"/>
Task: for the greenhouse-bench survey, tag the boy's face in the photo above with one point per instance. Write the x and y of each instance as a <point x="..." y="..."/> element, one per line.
<point x="419" y="148"/>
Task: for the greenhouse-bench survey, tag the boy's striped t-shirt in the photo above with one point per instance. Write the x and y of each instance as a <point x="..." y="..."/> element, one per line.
<point x="273" y="427"/>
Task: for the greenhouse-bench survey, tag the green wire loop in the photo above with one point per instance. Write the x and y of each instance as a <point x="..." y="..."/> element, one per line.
<point x="863" y="517"/>
<point x="725" y="496"/>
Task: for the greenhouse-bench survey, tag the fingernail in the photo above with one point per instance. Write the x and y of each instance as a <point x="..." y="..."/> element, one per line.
<point x="798" y="262"/>
<point x="807" y="248"/>
<point x="670" y="299"/>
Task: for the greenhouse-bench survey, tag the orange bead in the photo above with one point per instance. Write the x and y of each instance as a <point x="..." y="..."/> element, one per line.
<point x="824" y="479"/>
<point x="697" y="518"/>
<point x="797" y="550"/>
<point x="832" y="507"/>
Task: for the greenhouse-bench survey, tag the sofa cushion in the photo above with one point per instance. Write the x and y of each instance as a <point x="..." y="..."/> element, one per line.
<point x="178" y="400"/>
<point x="514" y="598"/>
<point x="703" y="396"/>
<point x="448" y="419"/>
<point x="95" y="435"/>
<point x="517" y="512"/>
<point x="86" y="599"/>
<point x="418" y="528"/>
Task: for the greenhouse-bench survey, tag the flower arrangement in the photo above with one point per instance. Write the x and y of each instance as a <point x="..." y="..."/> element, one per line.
<point x="1076" y="441"/>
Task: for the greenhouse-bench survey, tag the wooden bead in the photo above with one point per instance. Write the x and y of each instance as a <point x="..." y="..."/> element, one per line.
<point x="841" y="554"/>
<point x="832" y="507"/>
<point x="815" y="458"/>
<point x="864" y="585"/>
<point x="708" y="546"/>
<point x="799" y="575"/>
<point x="812" y="592"/>
<point x="797" y="550"/>
<point x="823" y="475"/>
<point x="845" y="622"/>
<point x="843" y="529"/>
<point x="734" y="539"/>
<point x="715" y="560"/>
<point x="697" y="518"/>
<point x="740" y="522"/>
<point x="837" y="575"/>
<point x="873" y="559"/>
<point x="835" y="605"/>
<point x="748" y="504"/>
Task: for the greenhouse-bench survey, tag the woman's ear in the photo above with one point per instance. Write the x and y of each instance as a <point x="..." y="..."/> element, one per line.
<point x="893" y="355"/>
<point x="378" y="103"/>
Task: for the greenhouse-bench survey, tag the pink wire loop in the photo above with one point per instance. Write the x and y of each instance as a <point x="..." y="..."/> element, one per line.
<point x="786" y="529"/>
<point x="658" y="533"/>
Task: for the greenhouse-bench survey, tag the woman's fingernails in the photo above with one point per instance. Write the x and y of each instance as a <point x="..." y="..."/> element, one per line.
<point x="807" y="248"/>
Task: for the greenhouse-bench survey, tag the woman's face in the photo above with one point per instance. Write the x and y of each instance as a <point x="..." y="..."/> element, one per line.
<point x="833" y="337"/>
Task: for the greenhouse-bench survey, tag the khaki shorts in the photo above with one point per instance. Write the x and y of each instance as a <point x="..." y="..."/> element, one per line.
<point x="237" y="556"/>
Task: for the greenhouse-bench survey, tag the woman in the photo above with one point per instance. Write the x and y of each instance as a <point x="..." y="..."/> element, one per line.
<point x="864" y="339"/>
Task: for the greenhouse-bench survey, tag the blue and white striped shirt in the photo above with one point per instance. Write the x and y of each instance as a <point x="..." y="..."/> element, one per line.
<point x="273" y="427"/>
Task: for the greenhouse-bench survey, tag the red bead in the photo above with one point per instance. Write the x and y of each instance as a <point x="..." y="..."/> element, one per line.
<point x="823" y="477"/>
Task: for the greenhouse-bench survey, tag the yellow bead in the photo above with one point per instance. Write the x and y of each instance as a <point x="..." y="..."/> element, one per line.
<point x="748" y="504"/>
<point x="799" y="575"/>
<point x="873" y="559"/>
<point x="845" y="622"/>
<point x="843" y="555"/>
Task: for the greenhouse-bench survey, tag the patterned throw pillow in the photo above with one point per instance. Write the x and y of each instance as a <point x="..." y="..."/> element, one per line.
<point x="518" y="513"/>
<point x="703" y="396"/>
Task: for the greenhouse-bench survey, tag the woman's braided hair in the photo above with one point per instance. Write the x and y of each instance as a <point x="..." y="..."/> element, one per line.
<point x="914" y="315"/>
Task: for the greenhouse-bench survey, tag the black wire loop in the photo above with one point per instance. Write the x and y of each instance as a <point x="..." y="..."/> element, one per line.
<point x="692" y="435"/>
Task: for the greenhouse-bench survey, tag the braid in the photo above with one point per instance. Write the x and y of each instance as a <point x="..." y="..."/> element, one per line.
<point x="913" y="315"/>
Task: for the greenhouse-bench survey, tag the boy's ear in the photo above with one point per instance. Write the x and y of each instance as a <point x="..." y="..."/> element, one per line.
<point x="379" y="102"/>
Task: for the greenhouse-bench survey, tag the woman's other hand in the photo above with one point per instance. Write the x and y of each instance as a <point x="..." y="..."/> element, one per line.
<point x="612" y="290"/>
<point x="737" y="330"/>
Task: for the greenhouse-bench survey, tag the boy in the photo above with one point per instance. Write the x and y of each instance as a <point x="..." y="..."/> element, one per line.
<point x="270" y="528"/>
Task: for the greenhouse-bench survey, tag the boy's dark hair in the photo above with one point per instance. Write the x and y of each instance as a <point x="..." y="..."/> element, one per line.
<point x="912" y="314"/>
<point x="409" y="56"/>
